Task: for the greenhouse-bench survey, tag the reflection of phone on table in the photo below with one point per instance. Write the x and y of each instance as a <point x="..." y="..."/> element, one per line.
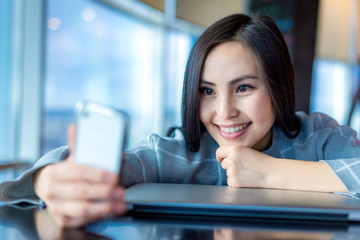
<point x="100" y="136"/>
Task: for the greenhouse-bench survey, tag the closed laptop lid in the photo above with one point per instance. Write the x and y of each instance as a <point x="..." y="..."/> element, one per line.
<point x="224" y="201"/>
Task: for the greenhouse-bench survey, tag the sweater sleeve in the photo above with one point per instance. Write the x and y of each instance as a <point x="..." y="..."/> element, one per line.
<point x="341" y="152"/>
<point x="348" y="171"/>
<point x="167" y="160"/>
<point x="21" y="190"/>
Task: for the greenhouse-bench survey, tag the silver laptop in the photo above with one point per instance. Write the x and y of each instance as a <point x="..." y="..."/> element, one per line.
<point x="223" y="201"/>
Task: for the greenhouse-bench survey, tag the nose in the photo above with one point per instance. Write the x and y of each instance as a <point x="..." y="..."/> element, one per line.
<point x="226" y="107"/>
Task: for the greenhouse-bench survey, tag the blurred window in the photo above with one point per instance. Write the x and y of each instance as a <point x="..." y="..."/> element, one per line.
<point x="6" y="116"/>
<point x="100" y="53"/>
<point x="332" y="90"/>
<point x="8" y="85"/>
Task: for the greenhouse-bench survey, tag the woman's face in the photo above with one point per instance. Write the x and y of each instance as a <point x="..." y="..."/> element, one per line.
<point x="235" y="106"/>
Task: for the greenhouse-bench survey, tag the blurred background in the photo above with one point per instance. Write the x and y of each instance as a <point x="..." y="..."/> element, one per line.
<point x="131" y="54"/>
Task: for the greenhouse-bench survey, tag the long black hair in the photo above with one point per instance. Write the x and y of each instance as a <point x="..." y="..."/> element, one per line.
<point x="264" y="39"/>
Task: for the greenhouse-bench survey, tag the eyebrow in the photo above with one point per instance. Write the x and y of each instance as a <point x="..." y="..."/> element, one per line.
<point x="232" y="82"/>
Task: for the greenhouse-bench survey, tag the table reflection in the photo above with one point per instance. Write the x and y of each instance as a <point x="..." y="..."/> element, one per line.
<point x="28" y="222"/>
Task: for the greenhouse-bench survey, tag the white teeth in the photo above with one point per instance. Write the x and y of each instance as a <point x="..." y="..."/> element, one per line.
<point x="234" y="129"/>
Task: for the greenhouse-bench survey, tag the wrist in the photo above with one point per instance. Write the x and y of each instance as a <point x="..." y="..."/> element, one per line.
<point x="274" y="177"/>
<point x="35" y="180"/>
<point x="302" y="175"/>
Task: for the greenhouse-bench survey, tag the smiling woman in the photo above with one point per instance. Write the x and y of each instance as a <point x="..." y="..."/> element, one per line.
<point x="239" y="109"/>
<point x="239" y="129"/>
<point x="267" y="53"/>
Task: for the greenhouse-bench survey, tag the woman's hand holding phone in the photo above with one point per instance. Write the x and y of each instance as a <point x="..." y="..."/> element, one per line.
<point x="77" y="194"/>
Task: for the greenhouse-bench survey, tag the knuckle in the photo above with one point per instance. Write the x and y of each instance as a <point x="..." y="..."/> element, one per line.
<point x="108" y="190"/>
<point x="91" y="174"/>
<point x="100" y="175"/>
<point x="217" y="151"/>
<point x="82" y="192"/>
<point x="226" y="163"/>
<point x="78" y="170"/>
<point x="223" y="165"/>
<point x="53" y="209"/>
<point x="229" y="182"/>
<point x="47" y="192"/>
<point x="229" y="172"/>
<point x="83" y="211"/>
<point x="61" y="221"/>
<point x="108" y="208"/>
<point x="47" y="196"/>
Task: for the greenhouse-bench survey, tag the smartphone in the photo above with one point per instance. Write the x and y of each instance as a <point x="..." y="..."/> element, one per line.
<point x="100" y="135"/>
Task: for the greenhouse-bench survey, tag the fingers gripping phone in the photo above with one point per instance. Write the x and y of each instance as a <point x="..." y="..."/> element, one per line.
<point x="100" y="135"/>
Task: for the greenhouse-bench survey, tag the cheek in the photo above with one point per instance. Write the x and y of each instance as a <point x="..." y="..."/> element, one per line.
<point x="205" y="111"/>
<point x="263" y="110"/>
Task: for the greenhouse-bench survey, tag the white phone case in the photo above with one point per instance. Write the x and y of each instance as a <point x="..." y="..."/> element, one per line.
<point x="100" y="136"/>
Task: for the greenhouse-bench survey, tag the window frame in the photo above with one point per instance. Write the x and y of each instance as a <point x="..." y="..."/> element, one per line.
<point x="24" y="68"/>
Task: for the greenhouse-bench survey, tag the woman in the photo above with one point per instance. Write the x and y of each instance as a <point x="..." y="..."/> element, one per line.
<point x="239" y="128"/>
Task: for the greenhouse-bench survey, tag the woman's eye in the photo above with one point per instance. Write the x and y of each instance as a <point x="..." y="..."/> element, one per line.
<point x="243" y="88"/>
<point x="207" y="91"/>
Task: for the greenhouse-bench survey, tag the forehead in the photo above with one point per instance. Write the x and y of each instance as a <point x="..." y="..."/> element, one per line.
<point x="229" y="60"/>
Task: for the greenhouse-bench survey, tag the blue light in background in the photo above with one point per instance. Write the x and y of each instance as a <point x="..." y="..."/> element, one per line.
<point x="99" y="53"/>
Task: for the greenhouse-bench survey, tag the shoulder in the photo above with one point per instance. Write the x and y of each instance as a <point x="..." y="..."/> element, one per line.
<point x="178" y="140"/>
<point x="323" y="125"/>
<point x="155" y="142"/>
<point x="317" y="120"/>
<point x="320" y="137"/>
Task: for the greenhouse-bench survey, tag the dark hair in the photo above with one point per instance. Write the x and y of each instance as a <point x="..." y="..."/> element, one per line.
<point x="263" y="38"/>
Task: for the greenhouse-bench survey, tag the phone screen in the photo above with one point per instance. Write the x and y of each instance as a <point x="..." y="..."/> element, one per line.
<point x="100" y="136"/>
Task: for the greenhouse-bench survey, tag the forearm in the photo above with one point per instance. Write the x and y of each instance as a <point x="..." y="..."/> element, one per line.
<point x="304" y="175"/>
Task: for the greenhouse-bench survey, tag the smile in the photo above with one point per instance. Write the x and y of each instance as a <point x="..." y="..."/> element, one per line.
<point x="233" y="132"/>
<point x="230" y="130"/>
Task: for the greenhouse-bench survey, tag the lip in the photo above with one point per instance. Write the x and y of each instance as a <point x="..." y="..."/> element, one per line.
<point x="231" y="125"/>
<point x="231" y="136"/>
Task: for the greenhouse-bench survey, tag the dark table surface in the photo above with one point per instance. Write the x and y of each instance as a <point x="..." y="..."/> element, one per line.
<point x="28" y="222"/>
